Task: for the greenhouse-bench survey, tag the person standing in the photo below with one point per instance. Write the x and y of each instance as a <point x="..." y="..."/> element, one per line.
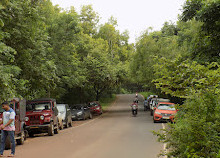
<point x="7" y="128"/>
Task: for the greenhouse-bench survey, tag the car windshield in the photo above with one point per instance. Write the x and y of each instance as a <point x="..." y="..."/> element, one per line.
<point x="38" y="106"/>
<point x="76" y="107"/>
<point x="93" y="104"/>
<point x="166" y="107"/>
<point x="61" y="108"/>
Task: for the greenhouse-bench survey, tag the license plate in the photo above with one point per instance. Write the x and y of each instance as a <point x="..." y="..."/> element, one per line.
<point x="166" y="118"/>
<point x="34" y="127"/>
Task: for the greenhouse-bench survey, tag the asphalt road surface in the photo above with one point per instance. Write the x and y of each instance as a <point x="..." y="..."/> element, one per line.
<point x="116" y="134"/>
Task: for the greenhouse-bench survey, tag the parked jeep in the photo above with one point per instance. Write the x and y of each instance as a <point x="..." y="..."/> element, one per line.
<point x="41" y="117"/>
<point x="20" y="133"/>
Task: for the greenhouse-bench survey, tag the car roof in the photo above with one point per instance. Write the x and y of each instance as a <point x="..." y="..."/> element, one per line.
<point x="78" y="105"/>
<point x="62" y="104"/>
<point x="154" y="99"/>
<point x="163" y="100"/>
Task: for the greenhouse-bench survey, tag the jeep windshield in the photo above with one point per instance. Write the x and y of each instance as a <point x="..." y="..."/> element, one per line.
<point x="38" y="106"/>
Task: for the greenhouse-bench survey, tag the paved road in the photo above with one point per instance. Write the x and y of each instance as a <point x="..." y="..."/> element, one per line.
<point x="115" y="134"/>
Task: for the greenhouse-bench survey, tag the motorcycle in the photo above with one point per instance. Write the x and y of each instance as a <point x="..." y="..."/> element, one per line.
<point x="134" y="108"/>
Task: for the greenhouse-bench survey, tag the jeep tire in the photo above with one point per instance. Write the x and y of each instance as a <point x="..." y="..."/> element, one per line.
<point x="51" y="129"/>
<point x="20" y="141"/>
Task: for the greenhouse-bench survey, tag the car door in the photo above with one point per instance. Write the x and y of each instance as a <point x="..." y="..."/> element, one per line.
<point x="68" y="113"/>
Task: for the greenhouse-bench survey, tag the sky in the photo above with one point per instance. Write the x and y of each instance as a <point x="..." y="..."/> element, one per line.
<point x="132" y="15"/>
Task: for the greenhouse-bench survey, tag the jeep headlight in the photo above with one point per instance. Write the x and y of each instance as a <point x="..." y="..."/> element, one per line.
<point x="42" y="117"/>
<point x="26" y="119"/>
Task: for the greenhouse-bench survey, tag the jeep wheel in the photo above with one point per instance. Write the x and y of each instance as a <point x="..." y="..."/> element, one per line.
<point x="51" y="129"/>
<point x="56" y="130"/>
<point x="7" y="143"/>
<point x="31" y="134"/>
<point x="21" y="140"/>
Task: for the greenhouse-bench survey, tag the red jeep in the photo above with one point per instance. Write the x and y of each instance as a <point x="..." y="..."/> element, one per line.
<point x="41" y="117"/>
<point x="19" y="106"/>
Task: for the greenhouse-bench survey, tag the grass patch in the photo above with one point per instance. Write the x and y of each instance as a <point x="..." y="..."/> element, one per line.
<point x="146" y="94"/>
<point x="105" y="102"/>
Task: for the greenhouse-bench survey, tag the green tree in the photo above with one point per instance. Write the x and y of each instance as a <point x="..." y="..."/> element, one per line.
<point x="89" y="20"/>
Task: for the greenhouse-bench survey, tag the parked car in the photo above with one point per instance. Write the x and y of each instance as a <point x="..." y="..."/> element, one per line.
<point x="95" y="107"/>
<point x="81" y="112"/>
<point x="64" y="114"/>
<point x="164" y="111"/>
<point x="41" y="117"/>
<point x="154" y="103"/>
<point x="18" y="106"/>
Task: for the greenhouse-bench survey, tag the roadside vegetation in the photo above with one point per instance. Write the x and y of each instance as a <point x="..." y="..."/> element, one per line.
<point x="147" y="94"/>
<point x="182" y="61"/>
<point x="107" y="101"/>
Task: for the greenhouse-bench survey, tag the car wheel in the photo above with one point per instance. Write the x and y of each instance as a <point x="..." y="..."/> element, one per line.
<point x="61" y="126"/>
<point x="67" y="124"/>
<point x="51" y="129"/>
<point x="71" y="123"/>
<point x="90" y="116"/>
<point x="21" y="140"/>
<point x="84" y="117"/>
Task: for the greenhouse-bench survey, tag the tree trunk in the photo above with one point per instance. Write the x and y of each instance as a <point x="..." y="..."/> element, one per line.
<point x="97" y="95"/>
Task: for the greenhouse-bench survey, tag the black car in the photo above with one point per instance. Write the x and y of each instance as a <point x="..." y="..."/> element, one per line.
<point x="64" y="114"/>
<point x="81" y="112"/>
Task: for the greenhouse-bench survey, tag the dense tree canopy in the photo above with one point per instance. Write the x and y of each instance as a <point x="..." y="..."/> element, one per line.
<point x="50" y="52"/>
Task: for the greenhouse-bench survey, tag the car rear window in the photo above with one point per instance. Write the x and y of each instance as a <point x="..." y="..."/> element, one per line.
<point x="76" y="107"/>
<point x="166" y="107"/>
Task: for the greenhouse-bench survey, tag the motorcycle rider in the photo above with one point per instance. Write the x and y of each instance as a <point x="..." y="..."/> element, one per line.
<point x="134" y="108"/>
<point x="145" y="104"/>
<point x="136" y="100"/>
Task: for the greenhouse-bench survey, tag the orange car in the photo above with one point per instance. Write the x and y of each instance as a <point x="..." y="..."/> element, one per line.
<point x="164" y="112"/>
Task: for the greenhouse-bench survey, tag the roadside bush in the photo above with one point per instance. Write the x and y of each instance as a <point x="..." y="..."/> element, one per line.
<point x="196" y="132"/>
